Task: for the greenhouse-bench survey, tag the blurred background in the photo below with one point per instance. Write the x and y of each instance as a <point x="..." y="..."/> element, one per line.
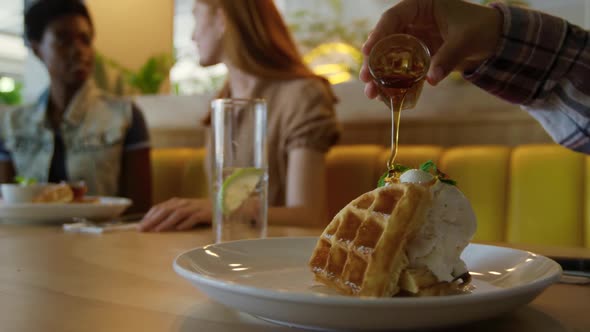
<point x="146" y="51"/>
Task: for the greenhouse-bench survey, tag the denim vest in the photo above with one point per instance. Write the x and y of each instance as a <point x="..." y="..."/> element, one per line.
<point x="93" y="130"/>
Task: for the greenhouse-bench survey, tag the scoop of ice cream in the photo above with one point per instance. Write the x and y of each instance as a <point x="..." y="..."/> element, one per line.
<point x="415" y="176"/>
<point x="449" y="226"/>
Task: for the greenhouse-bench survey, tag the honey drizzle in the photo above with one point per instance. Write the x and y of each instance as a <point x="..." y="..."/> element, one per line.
<point x="396" y="103"/>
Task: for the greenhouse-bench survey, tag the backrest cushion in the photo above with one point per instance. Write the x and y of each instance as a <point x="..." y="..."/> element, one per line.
<point x="350" y="172"/>
<point x="546" y="196"/>
<point x="481" y="173"/>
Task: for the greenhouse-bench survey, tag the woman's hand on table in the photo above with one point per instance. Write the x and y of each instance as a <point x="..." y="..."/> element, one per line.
<point x="177" y="214"/>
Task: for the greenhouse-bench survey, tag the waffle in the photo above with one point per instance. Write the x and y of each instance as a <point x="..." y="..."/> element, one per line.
<point x="362" y="250"/>
<point x="422" y="282"/>
<point x="60" y="193"/>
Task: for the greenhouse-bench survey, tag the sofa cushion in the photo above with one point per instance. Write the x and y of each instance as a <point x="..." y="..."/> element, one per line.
<point x="350" y="172"/>
<point x="546" y="194"/>
<point x="178" y="172"/>
<point x="481" y="173"/>
<point x="533" y="194"/>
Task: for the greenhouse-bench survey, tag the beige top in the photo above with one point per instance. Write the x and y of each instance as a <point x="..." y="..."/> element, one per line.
<point x="300" y="114"/>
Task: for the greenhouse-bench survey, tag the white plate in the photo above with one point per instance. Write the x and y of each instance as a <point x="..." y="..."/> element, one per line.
<point x="104" y="208"/>
<point x="269" y="278"/>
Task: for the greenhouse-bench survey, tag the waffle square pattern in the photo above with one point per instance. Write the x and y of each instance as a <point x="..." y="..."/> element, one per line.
<point x="362" y="251"/>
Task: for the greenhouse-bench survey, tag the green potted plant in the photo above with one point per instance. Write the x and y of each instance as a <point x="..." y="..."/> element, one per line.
<point x="148" y="79"/>
<point x="13" y="97"/>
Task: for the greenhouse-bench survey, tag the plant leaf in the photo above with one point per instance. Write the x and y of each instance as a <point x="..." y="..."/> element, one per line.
<point x="24" y="180"/>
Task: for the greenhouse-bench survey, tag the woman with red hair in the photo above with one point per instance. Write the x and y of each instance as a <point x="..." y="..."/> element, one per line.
<point x="252" y="40"/>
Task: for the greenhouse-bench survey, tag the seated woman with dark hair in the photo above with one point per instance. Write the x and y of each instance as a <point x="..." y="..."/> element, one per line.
<point x="75" y="131"/>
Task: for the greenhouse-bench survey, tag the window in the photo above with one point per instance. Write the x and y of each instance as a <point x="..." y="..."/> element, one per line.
<point x="12" y="51"/>
<point x="12" y="48"/>
<point x="187" y="76"/>
<point x="329" y="33"/>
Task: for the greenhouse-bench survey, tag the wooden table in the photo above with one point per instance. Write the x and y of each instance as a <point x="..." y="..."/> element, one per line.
<point x="56" y="281"/>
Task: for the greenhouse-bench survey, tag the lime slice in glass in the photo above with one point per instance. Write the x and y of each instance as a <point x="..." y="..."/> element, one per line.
<point x="238" y="187"/>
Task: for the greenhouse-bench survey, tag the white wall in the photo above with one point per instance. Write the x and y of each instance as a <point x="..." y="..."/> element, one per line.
<point x="575" y="11"/>
<point x="12" y="55"/>
<point x="130" y="31"/>
<point x="35" y="77"/>
<point x="12" y="49"/>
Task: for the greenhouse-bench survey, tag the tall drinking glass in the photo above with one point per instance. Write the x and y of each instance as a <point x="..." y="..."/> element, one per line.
<point x="240" y="175"/>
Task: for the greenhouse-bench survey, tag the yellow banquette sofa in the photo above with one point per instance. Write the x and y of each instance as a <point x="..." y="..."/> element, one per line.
<point x="529" y="194"/>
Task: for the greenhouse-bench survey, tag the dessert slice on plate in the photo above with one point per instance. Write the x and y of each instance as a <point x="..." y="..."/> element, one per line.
<point x="400" y="239"/>
<point x="362" y="251"/>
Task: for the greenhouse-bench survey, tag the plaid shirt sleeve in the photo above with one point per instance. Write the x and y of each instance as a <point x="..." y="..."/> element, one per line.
<point x="542" y="63"/>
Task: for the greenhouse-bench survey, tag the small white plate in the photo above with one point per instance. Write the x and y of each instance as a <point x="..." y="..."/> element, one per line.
<point x="270" y="278"/>
<point x="104" y="208"/>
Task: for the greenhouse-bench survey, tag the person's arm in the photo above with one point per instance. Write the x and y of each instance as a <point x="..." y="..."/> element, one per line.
<point x="305" y="203"/>
<point x="520" y="55"/>
<point x="6" y="171"/>
<point x="177" y="214"/>
<point x="542" y="63"/>
<point x="459" y="34"/>
<point x="136" y="177"/>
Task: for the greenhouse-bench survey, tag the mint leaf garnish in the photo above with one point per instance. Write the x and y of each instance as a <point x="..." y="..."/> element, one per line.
<point x="439" y="175"/>
<point x="448" y="181"/>
<point x="427" y="166"/>
<point x="442" y="177"/>
<point x="381" y="181"/>
<point x="400" y="168"/>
